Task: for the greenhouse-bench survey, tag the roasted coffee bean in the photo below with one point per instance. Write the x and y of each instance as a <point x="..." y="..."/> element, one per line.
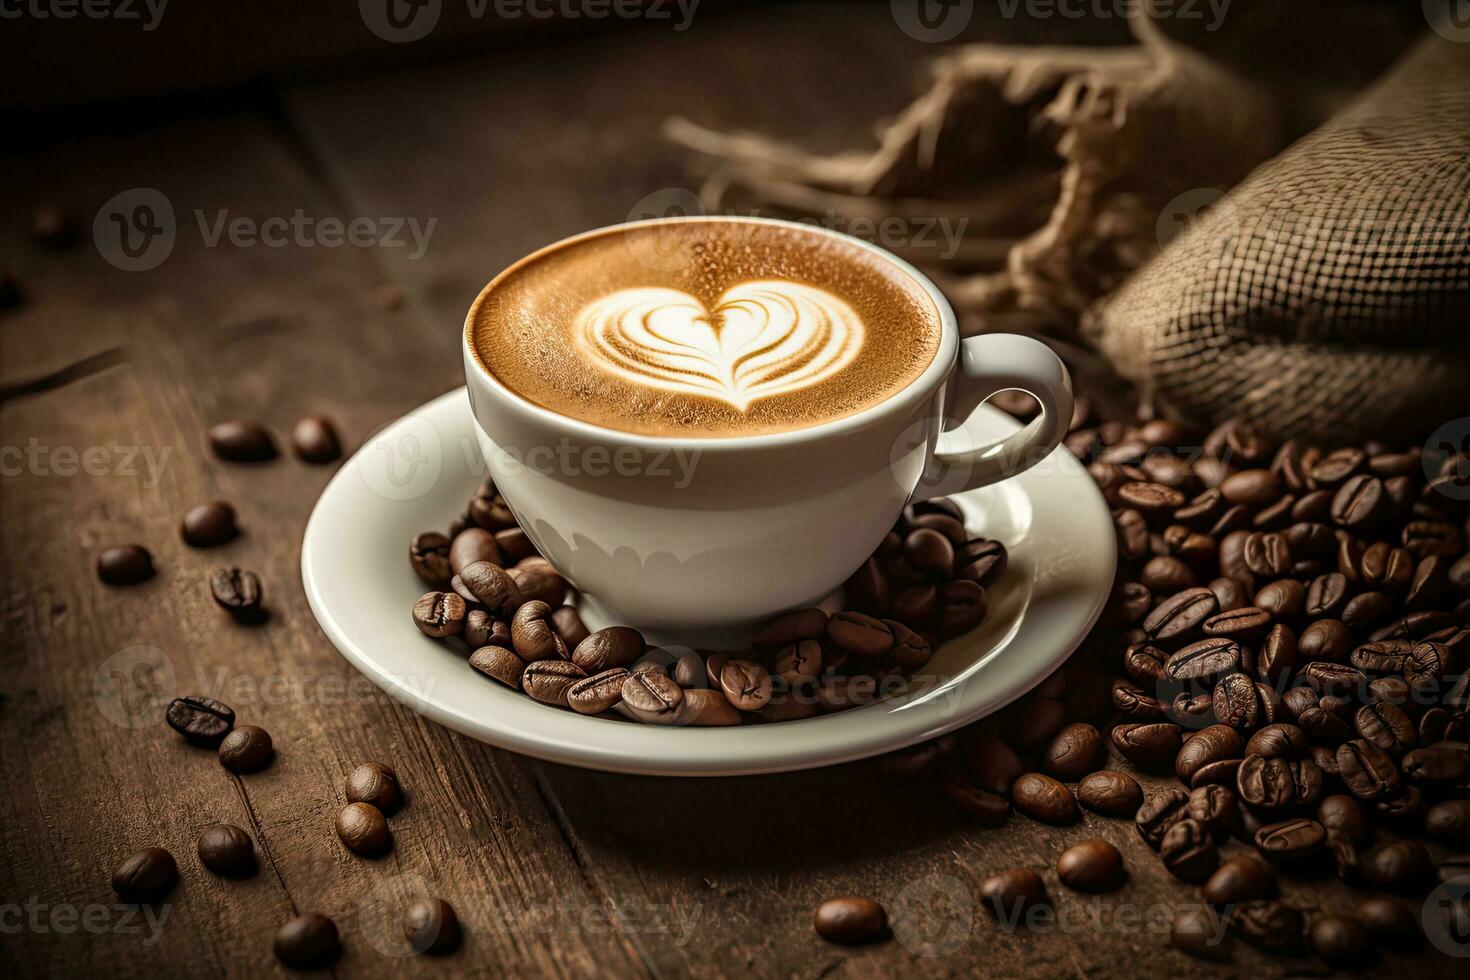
<point x="1253" y="488"/>
<point x="1110" y="793"/>
<point x="952" y="528"/>
<point x="537" y="579"/>
<point x="799" y="660"/>
<point x="363" y="830"/>
<point x="1248" y="623"/>
<point x="867" y="589"/>
<point x="1091" y="866"/>
<point x="1449" y="822"/>
<point x="653" y="697"/>
<point x="473" y="544"/>
<point x="1243" y="703"/>
<point x="1200" y="932"/>
<point x="1161" y="809"/>
<point x="1334" y="679"/>
<point x="315" y="440"/>
<point x="307" y="942"/>
<point x="803" y="624"/>
<point x="850" y="921"/>
<point x="1216" y="807"/>
<point x="514" y="545"/>
<point x="1443" y="764"/>
<point x="500" y="663"/>
<point x="1152" y="499"/>
<point x="860" y="634"/>
<point x="533" y="636"/>
<point x="1425" y="666"/>
<point x="1343" y="816"/>
<point x="569" y="626"/>
<point x="1423" y="538"/>
<point x="238" y="592"/>
<point x="614" y="646"/>
<point x="1229" y="594"/>
<point x="1043" y="798"/>
<point x="481" y="630"/>
<point x="708" y="708"/>
<point x="991" y="763"/>
<point x="1280" y="740"/>
<point x="431" y="926"/>
<point x="975" y="804"/>
<point x="1389" y="922"/>
<point x="429" y="555"/>
<point x="1291" y="842"/>
<point x="1367" y="610"/>
<point x="245" y="750"/>
<point x="202" y="721"/>
<point x="918" y="605"/>
<point x="962" y="607"/>
<point x="1382" y="657"/>
<point x="1188" y="851"/>
<point x="1403" y="867"/>
<point x="598" y="693"/>
<point x="1326" y="639"/>
<point x="1277" y="656"/>
<point x="492" y="587"/>
<point x="1151" y="747"/>
<point x="1267" y="554"/>
<point x="375" y="784"/>
<point x="1314" y="506"/>
<point x="1337" y="466"/>
<point x="127" y="564"/>
<point x="1240" y="879"/>
<point x="1360" y="502"/>
<point x="549" y="681"/>
<point x="1326" y="595"/>
<point x="1274" y="784"/>
<point x="209" y="525"/>
<point x="145" y="877"/>
<point x="1010" y="894"/>
<point x="1270" y="925"/>
<point x="1428" y="584"/>
<point x="1282" y="599"/>
<point x="982" y="561"/>
<point x="1213" y="744"/>
<point x="1340" y="942"/>
<point x="1405" y="810"/>
<point x="1074" y="752"/>
<point x="746" y="684"/>
<point x="910" y="650"/>
<point x="1137" y="704"/>
<point x="1144" y="663"/>
<point x="1129" y="603"/>
<point x="1367" y="770"/>
<point x="1387" y="727"/>
<point x="1165" y="575"/>
<point x="242" y="442"/>
<point x="1204" y="662"/>
<point x="930" y="551"/>
<point x="1180" y="614"/>
<point x="1389" y="690"/>
<point x="227" y="850"/>
<point x="439" y="614"/>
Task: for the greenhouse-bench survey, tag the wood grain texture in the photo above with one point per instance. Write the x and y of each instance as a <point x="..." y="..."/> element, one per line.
<point x="555" y="871"/>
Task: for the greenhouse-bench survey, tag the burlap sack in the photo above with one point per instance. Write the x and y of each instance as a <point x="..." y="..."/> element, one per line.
<point x="1327" y="295"/>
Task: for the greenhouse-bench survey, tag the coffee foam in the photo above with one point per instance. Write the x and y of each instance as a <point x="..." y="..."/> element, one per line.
<point x="705" y="328"/>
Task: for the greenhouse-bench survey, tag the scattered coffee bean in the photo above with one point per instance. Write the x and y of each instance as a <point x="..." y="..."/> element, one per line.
<point x="245" y="750"/>
<point x="1091" y="866"/>
<point x="375" y="784"/>
<point x="238" y="593"/>
<point x="1449" y="822"/>
<point x="1150" y="747"/>
<point x="1337" y="941"/>
<point x="500" y="663"/>
<point x="1270" y="925"/>
<point x="1389" y="922"/>
<point x="1043" y="798"/>
<point x="209" y="525"/>
<point x="1200" y="932"/>
<point x="429" y="555"/>
<point x="1189" y="852"/>
<point x="145" y="877"/>
<point x="1403" y="867"/>
<point x="307" y="942"/>
<point x="431" y="926"/>
<point x="363" y="830"/>
<point x="242" y="442"/>
<point x="598" y="693"/>
<point x="227" y="850"/>
<point x="127" y="564"/>
<point x="851" y="920"/>
<point x="314" y="440"/>
<point x="1240" y="879"/>
<point x="1110" y="793"/>
<point x="1012" y="893"/>
<point x="1074" y="752"/>
<point x="202" y="721"/>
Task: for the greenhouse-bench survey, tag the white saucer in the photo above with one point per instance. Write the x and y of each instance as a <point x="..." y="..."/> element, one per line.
<point x="416" y="475"/>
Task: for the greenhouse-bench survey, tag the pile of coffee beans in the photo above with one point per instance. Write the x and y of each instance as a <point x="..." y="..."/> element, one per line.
<point x="505" y="606"/>
<point x="1281" y="670"/>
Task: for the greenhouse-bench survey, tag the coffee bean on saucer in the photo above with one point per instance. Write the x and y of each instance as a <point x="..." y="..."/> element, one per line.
<point x="471" y="545"/>
<point x="1110" y="793"/>
<point x="146" y="876"/>
<point x="795" y="662"/>
<point x="1200" y="932"/>
<point x="652" y="696"/>
<point x="614" y="646"/>
<point x="851" y="920"/>
<point x="569" y="626"/>
<point x="860" y="634"/>
<point x="1010" y="894"/>
<point x="492" y="587"/>
<point x="242" y="442"/>
<point x="982" y="561"/>
<point x="202" y="721"/>
<point x="537" y="579"/>
<point x="598" y="693"/>
<point x="209" y="525"/>
<point x="1389" y="921"/>
<point x="706" y="708"/>
<point x="363" y="829"/>
<point x="483" y="630"/>
<point x="549" y="681"/>
<point x="314" y="440"/>
<point x="1341" y="942"/>
<point x="127" y="564"/>
<point x="962" y="606"/>
<point x="238" y="592"/>
<point x="930" y="551"/>
<point x="1043" y="798"/>
<point x="533" y="635"/>
<point x="245" y="750"/>
<point x="500" y="663"/>
<point x="227" y="850"/>
<point x="429" y="555"/>
<point x="1240" y="879"/>
<point x="803" y="624"/>
<point x="307" y="942"/>
<point x="374" y="783"/>
<point x="514" y="544"/>
<point x="747" y="685"/>
<point x="431" y="926"/>
<point x="1091" y="866"/>
<point x="1074" y="752"/>
<point x="439" y="614"/>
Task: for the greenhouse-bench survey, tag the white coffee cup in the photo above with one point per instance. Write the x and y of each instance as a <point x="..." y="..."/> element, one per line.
<point x="683" y="533"/>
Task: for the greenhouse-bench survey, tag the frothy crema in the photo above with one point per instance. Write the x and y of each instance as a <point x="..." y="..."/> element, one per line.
<point x="705" y="328"/>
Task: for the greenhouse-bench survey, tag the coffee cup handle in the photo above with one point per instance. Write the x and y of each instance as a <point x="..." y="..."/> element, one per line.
<point x="988" y="364"/>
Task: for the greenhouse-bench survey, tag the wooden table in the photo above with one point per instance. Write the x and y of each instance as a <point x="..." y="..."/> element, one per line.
<point x="553" y="870"/>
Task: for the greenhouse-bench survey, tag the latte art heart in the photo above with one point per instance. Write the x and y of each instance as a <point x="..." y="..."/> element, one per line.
<point x="764" y="338"/>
